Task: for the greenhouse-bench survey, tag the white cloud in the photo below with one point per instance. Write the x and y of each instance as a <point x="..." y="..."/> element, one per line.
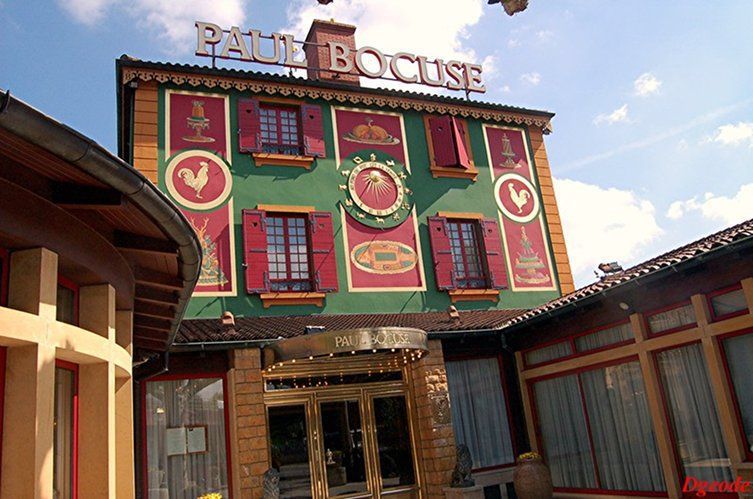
<point x="171" y="22"/>
<point x="531" y="78"/>
<point x="729" y="210"/>
<point x="734" y="135"/>
<point x="88" y="12"/>
<point x="391" y="25"/>
<point x="619" y="115"/>
<point x="506" y="89"/>
<point x="603" y="225"/>
<point x="513" y="43"/>
<point x="544" y="35"/>
<point x="646" y="84"/>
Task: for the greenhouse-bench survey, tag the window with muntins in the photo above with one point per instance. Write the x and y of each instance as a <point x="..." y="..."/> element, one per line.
<point x="738" y="350"/>
<point x="466" y="254"/>
<point x="288" y="253"/>
<point x="280" y="130"/>
<point x="674" y="319"/>
<point x="728" y="304"/>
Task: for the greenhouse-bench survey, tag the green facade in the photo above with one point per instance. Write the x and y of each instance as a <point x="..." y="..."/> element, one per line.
<point x="318" y="187"/>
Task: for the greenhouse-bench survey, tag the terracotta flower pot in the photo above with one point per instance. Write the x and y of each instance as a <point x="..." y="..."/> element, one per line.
<point x="532" y="478"/>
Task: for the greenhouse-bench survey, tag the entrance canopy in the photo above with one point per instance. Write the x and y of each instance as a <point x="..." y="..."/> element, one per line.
<point x="410" y="342"/>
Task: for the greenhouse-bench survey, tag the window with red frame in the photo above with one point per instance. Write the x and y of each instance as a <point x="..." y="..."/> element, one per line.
<point x="726" y="303"/>
<point x="672" y="319"/>
<point x="65" y="440"/>
<point x="594" y="428"/>
<point x="581" y="343"/>
<point x="280" y="130"/>
<point x="467" y="253"/>
<point x="67" y="301"/>
<point x="289" y="252"/>
<point x="738" y="350"/>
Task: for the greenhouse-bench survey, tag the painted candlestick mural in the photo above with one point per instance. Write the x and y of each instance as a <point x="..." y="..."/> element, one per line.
<point x="198" y="178"/>
<point x="379" y="220"/>
<point x="529" y="260"/>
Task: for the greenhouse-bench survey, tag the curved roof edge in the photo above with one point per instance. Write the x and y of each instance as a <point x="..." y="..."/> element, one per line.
<point x="84" y="153"/>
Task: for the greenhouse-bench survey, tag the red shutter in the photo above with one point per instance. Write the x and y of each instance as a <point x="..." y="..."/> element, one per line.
<point x="441" y="252"/>
<point x="323" y="251"/>
<point x="458" y="130"/>
<point x="442" y="143"/>
<point x="495" y="257"/>
<point x="313" y="131"/>
<point x="255" y="251"/>
<point x="249" y="135"/>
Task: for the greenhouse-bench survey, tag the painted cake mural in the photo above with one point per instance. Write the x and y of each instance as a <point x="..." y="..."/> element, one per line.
<point x="198" y="178"/>
<point x="529" y="261"/>
<point x="379" y="221"/>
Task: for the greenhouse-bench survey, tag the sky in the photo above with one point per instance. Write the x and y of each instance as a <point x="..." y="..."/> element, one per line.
<point x="653" y="135"/>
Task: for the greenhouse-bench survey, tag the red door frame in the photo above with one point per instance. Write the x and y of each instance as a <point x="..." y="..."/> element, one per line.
<point x="534" y="413"/>
<point x="70" y="366"/>
<point x="172" y="377"/>
<point x="504" y="387"/>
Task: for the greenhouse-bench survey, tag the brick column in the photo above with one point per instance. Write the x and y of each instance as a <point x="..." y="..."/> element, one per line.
<point x="248" y="420"/>
<point x="436" y="440"/>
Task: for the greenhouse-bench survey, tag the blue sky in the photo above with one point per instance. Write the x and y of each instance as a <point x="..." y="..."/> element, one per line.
<point x="653" y="138"/>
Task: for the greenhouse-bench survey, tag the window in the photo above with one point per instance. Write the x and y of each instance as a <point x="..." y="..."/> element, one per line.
<point x="481" y="423"/>
<point x="65" y="439"/>
<point x="67" y="301"/>
<point x="287" y="251"/>
<point x="582" y="343"/>
<point x="727" y="303"/>
<point x="278" y="134"/>
<point x="596" y="432"/>
<point x="279" y="128"/>
<point x="449" y="147"/>
<point x="467" y="253"/>
<point x="699" y="443"/>
<point x="548" y="353"/>
<point x="4" y="275"/>
<point x="186" y="439"/>
<point x="675" y="319"/>
<point x="738" y="350"/>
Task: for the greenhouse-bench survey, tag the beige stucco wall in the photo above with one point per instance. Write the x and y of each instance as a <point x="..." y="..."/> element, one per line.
<point x="34" y="341"/>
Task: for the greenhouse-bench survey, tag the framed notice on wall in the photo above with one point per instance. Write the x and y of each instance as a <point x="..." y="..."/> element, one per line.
<point x="186" y="440"/>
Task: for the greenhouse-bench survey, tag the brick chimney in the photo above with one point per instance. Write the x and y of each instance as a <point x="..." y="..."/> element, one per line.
<point x="320" y="33"/>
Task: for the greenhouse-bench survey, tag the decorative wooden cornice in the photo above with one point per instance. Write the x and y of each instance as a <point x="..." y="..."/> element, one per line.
<point x="130" y="74"/>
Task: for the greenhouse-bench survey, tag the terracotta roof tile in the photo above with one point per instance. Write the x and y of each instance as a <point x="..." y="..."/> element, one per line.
<point x="263" y="328"/>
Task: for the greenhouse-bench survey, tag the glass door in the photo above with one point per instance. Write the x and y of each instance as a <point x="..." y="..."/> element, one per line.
<point x="289" y="445"/>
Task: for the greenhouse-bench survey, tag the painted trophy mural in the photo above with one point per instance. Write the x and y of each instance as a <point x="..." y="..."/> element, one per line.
<point x="379" y="221"/>
<point x="528" y="258"/>
<point x="198" y="178"/>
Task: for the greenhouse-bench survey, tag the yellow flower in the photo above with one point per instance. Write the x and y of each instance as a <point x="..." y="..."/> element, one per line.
<point x="212" y="495"/>
<point x="529" y="456"/>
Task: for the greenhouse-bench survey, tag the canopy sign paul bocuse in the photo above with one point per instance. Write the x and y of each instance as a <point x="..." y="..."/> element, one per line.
<point x="213" y="41"/>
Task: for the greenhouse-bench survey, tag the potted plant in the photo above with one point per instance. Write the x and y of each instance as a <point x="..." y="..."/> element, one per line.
<point x="532" y="478"/>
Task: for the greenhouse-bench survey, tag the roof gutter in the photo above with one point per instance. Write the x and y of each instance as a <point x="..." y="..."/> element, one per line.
<point x="47" y="133"/>
<point x="635" y="282"/>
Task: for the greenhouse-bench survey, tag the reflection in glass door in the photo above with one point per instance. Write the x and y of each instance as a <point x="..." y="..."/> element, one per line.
<point x="290" y="453"/>
<point x="393" y="442"/>
<point x="343" y="447"/>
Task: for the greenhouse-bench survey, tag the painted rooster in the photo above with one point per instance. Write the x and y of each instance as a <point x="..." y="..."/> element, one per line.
<point x="198" y="181"/>
<point x="519" y="198"/>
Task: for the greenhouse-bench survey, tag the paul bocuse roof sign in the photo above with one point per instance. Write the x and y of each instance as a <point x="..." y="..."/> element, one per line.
<point x="214" y="41"/>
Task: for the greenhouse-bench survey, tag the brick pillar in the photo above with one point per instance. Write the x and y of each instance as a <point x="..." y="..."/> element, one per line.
<point x="249" y="448"/>
<point x="436" y="439"/>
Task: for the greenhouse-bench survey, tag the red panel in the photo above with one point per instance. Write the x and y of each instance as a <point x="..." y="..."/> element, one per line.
<point x="442" y="141"/>
<point x="313" y="131"/>
<point x="255" y="251"/>
<point x="323" y="251"/>
<point x="249" y="136"/>
<point x="458" y="130"/>
<point x="495" y="257"/>
<point x="441" y="252"/>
